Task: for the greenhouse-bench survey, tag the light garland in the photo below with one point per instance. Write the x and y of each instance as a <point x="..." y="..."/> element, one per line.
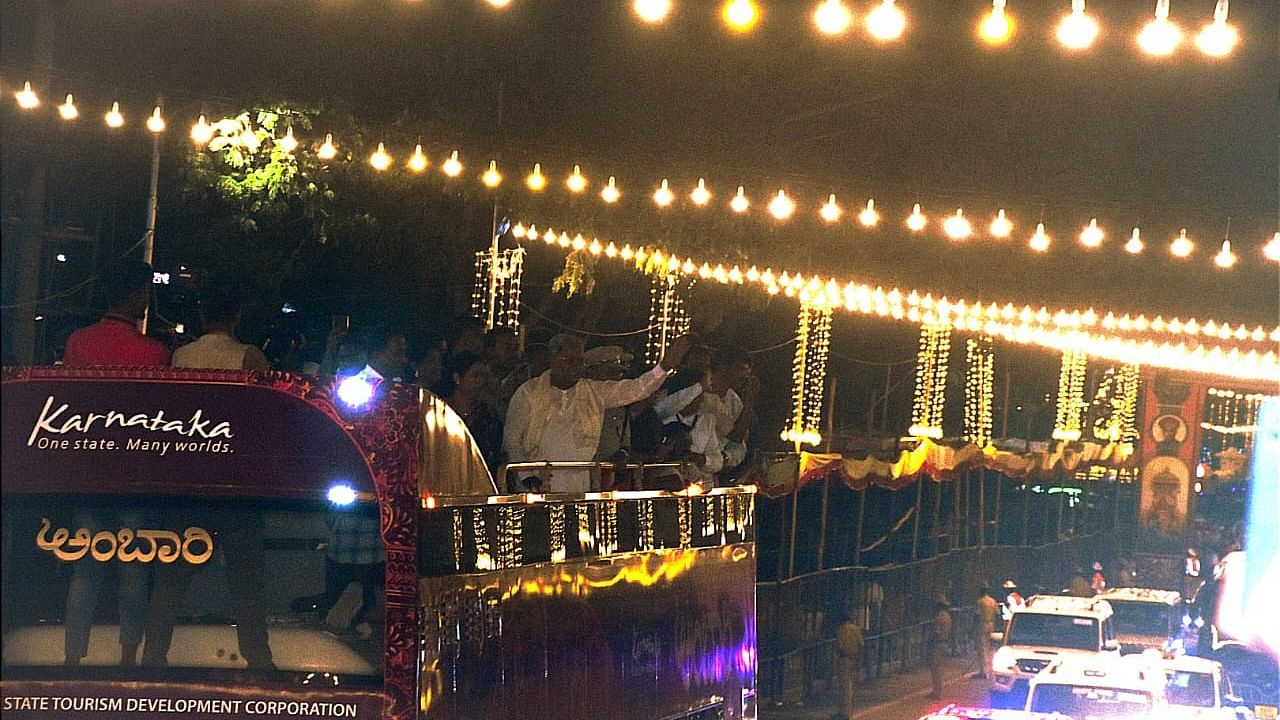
<point x="668" y="319"/>
<point x="1115" y="406"/>
<point x="930" y="397"/>
<point x="505" y="279"/>
<point x="978" y="390"/>
<point x="1071" y="404"/>
<point x="809" y="375"/>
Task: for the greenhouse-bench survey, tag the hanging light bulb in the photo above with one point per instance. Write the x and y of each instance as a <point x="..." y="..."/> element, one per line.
<point x="26" y="97"/>
<point x="957" y="227"/>
<point x="1225" y="258"/>
<point x="491" y="177"/>
<point x="997" y="27"/>
<point x="663" y="195"/>
<point x="1218" y="39"/>
<point x="418" y="160"/>
<point x="68" y="109"/>
<point x="1182" y="245"/>
<point x="916" y="220"/>
<point x="1134" y="245"/>
<point x="1077" y="31"/>
<point x="652" y="11"/>
<point x="576" y="182"/>
<point x="327" y="150"/>
<point x="700" y="195"/>
<point x="288" y="143"/>
<point x="498" y="3"/>
<point x="739" y="203"/>
<point x="114" y="118"/>
<point x="781" y="207"/>
<point x="452" y="166"/>
<point x="832" y="17"/>
<point x="1040" y="240"/>
<point x="380" y="159"/>
<point x="536" y="181"/>
<point x="1271" y="250"/>
<point x="1161" y="36"/>
<point x="831" y="211"/>
<point x="155" y="122"/>
<point x="1001" y="227"/>
<point x="609" y="193"/>
<point x="868" y="216"/>
<point x="886" y="22"/>
<point x="249" y="138"/>
<point x="519" y="232"/>
<point x="1092" y="235"/>
<point x="740" y="15"/>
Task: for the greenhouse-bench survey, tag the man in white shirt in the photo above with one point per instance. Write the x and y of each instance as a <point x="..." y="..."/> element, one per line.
<point x="731" y="414"/>
<point x="558" y="416"/>
<point x="218" y="348"/>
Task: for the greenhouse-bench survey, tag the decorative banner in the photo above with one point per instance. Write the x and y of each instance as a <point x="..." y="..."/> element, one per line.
<point x="1071" y="404"/>
<point x="1170" y="445"/>
<point x="667" y="316"/>
<point x="931" y="380"/>
<point x="978" y="390"/>
<point x="809" y="375"/>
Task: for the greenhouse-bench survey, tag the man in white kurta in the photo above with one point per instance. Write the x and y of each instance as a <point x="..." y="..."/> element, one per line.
<point x="558" y="416"/>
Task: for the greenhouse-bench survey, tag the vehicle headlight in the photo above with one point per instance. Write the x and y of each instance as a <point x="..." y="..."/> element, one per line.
<point x="1004" y="660"/>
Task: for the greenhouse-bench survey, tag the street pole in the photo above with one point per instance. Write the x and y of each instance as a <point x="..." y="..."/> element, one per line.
<point x="153" y="200"/>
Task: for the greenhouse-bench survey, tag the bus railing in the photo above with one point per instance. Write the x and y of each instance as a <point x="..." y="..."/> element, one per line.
<point x="601" y="472"/>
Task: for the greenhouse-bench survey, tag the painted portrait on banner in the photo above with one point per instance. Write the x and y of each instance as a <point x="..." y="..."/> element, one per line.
<point x="1165" y="494"/>
<point x="1170" y="442"/>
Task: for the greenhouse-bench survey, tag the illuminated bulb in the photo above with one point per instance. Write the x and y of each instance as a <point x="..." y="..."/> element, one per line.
<point x="26" y="97"/>
<point x="1160" y="37"/>
<point x="576" y="182"/>
<point x="700" y="195"/>
<point x="68" y="109"/>
<point x="1218" y="39"/>
<point x="1182" y="245"/>
<point x="1001" y="227"/>
<point x="536" y="180"/>
<point x="687" y="267"/>
<point x="380" y="159"/>
<point x="327" y="150"/>
<point x="578" y="242"/>
<point x="831" y="211"/>
<point x="740" y="15"/>
<point x="627" y="252"/>
<point x="1134" y="245"/>
<point x="886" y="22"/>
<point x="155" y="123"/>
<point x="1040" y="240"/>
<point x="739" y="203"/>
<point x="1092" y="235"/>
<point x="249" y="138"/>
<point x="1271" y="250"/>
<point x="498" y="3"/>
<point x="663" y="195"/>
<point x="491" y="177"/>
<point x="114" y="117"/>
<point x="452" y="167"/>
<point x="1225" y="258"/>
<point x="832" y="17"/>
<point x="652" y="11"/>
<point x="916" y="220"/>
<point x="201" y="132"/>
<point x="533" y="232"/>
<point x="595" y="248"/>
<point x="563" y="241"/>
<point x="957" y="226"/>
<point x="997" y="27"/>
<point x="869" y="217"/>
<point x="519" y="232"/>
<point x="288" y="143"/>
<point x="611" y="251"/>
<point x="418" y="160"/>
<point x="1077" y="31"/>
<point x="781" y="207"/>
<point x="609" y="193"/>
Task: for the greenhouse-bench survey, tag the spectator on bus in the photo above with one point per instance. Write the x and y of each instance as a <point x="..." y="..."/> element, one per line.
<point x="731" y="413"/>
<point x="115" y="339"/>
<point x="466" y="378"/>
<point x="466" y="335"/>
<point x="218" y="347"/>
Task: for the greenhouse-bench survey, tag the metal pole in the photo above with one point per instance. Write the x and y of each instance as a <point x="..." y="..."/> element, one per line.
<point x="795" y="506"/>
<point x="1026" y="511"/>
<point x="1004" y="411"/>
<point x="822" y="521"/>
<point x="982" y="508"/>
<point x="493" y="271"/>
<point x="915" y="533"/>
<point x="831" y="411"/>
<point x="153" y="201"/>
<point x="862" y="513"/>
<point x="884" y="410"/>
<point x="995" y="536"/>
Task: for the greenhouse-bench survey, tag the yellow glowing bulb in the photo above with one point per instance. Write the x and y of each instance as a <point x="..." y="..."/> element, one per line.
<point x="418" y="160"/>
<point x="26" y="97"/>
<point x="536" y="180"/>
<point x="576" y="182"/>
<point x="609" y="193"/>
<point x="832" y="17"/>
<point x="452" y="166"/>
<point x="380" y="159"/>
<point x="114" y="118"/>
<point x="627" y="252"/>
<point x="740" y="15"/>
<point x="564" y="241"/>
<point x="68" y="109"/>
<point x="1092" y="235"/>
<point x="1077" y="31"/>
<point x="781" y="207"/>
<point x="831" y="211"/>
<point x="1134" y="245"/>
<point x="155" y="122"/>
<point x="491" y="177"/>
<point x="1161" y="36"/>
<point x="288" y="143"/>
<point x="997" y="26"/>
<point x="327" y="150"/>
<point x="663" y="195"/>
<point x="868" y="216"/>
<point x="886" y="22"/>
<point x="578" y="242"/>
<point x="1040" y="240"/>
<point x="1182" y="245"/>
<point x="739" y="203"/>
<point x="611" y="251"/>
<point x="700" y="194"/>
<point x="249" y="138"/>
<point x="1225" y="258"/>
<point x="1218" y="39"/>
<point x="916" y="220"/>
<point x="1001" y="227"/>
<point x="957" y="226"/>
<point x="533" y="232"/>
<point x="498" y="3"/>
<point x="652" y="11"/>
<point x="1271" y="250"/>
<point x="519" y="232"/>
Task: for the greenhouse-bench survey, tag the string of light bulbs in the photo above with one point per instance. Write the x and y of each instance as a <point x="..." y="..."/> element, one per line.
<point x="1071" y="404"/>
<point x="978" y="390"/>
<point x="809" y="375"/>
<point x="932" y="364"/>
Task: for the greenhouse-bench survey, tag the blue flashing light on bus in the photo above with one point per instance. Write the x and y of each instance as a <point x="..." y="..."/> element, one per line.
<point x="341" y="494"/>
<point x="356" y="391"/>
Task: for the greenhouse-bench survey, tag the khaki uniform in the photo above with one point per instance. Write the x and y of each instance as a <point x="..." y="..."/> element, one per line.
<point x="988" y="612"/>
<point x="939" y="641"/>
<point x="849" y="649"/>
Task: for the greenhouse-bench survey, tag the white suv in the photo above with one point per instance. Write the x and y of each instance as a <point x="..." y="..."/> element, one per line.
<point x="1048" y="628"/>
<point x="1197" y="688"/>
<point x="1100" y="687"/>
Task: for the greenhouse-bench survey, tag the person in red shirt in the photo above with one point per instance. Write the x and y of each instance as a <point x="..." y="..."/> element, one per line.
<point x="115" y="339"/>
